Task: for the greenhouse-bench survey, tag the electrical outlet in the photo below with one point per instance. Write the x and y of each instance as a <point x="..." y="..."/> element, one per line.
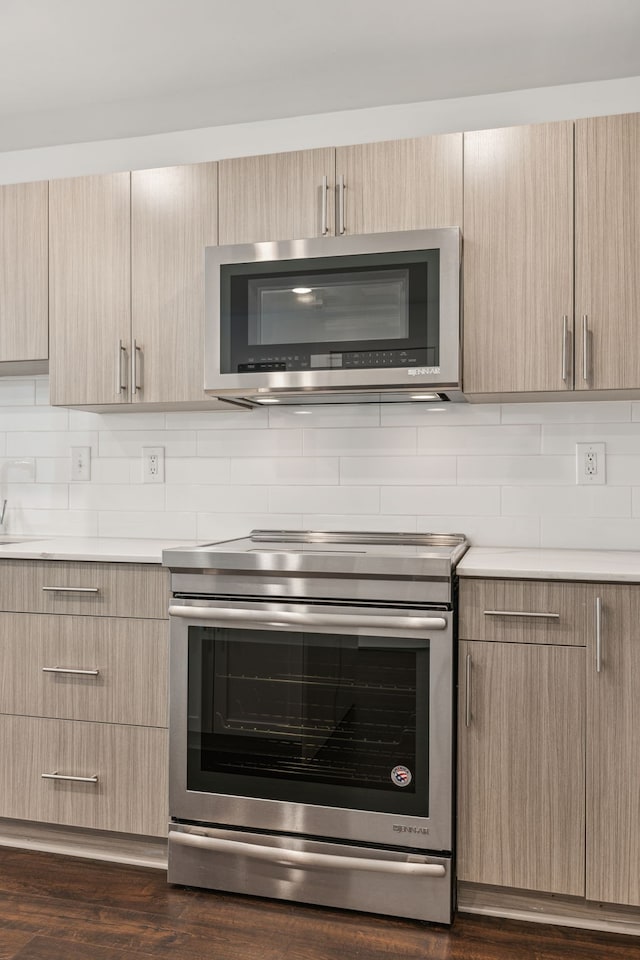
<point x="590" y="463"/>
<point x="81" y="463"/>
<point x="153" y="464"/>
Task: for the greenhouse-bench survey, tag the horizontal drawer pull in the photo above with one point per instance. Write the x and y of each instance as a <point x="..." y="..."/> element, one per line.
<point x="71" y="589"/>
<point x="304" y="858"/>
<point x="84" y="673"/>
<point x="521" y="613"/>
<point x="62" y="776"/>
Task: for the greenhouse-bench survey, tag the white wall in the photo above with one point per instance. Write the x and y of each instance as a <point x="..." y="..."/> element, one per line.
<point x="504" y="475"/>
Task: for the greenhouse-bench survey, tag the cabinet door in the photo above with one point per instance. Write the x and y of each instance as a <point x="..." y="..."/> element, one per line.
<point x="521" y="776"/>
<point x="402" y="184"/>
<point x="613" y="750"/>
<point x="607" y="252"/>
<point x="173" y="218"/>
<point x="518" y="259"/>
<point x="276" y="197"/>
<point x="90" y="288"/>
<point x="24" y="313"/>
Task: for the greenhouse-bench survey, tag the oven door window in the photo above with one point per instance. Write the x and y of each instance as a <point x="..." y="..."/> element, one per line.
<point x="331" y="720"/>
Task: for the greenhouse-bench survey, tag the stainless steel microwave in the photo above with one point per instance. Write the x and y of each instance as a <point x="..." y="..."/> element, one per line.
<point x="335" y="319"/>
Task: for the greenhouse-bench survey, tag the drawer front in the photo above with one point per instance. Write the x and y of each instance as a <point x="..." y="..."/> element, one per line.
<point x="85" y="668"/>
<point x="527" y="611"/>
<point x="124" y="769"/>
<point x="74" y="587"/>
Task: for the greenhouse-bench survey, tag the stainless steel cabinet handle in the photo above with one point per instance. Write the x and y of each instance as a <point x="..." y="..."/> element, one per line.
<point x="598" y="634"/>
<point x="521" y="613"/>
<point x="84" y="673"/>
<point x="565" y="350"/>
<point x="276" y="619"/>
<point x="325" y="200"/>
<point x="467" y="693"/>
<point x="121" y="380"/>
<point x="341" y="189"/>
<point x="61" y="776"/>
<point x="71" y="589"/>
<point x="585" y="348"/>
<point x="136" y="381"/>
<point x="306" y="858"/>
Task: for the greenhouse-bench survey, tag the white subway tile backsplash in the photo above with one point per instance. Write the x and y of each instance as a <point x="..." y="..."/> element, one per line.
<point x="591" y="411"/>
<point x="249" y="443"/>
<point x="206" y="498"/>
<point x="325" y="415"/>
<point x="462" y="501"/>
<point x="338" y="500"/>
<point x="519" y="469"/>
<point x="372" y="441"/>
<point x="397" y="470"/>
<point x="429" y="414"/>
<point x="147" y="525"/>
<point x="503" y="475"/>
<point x="583" y="501"/>
<point x="480" y="439"/>
<point x="285" y="470"/>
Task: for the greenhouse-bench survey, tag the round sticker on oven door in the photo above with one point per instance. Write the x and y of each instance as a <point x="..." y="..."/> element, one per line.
<point x="401" y="776"/>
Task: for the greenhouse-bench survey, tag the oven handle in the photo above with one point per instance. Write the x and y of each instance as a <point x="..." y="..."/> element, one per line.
<point x="285" y="618"/>
<point x="305" y="858"/>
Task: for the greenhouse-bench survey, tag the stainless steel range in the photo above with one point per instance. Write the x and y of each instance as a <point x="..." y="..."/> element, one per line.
<point x="311" y="719"/>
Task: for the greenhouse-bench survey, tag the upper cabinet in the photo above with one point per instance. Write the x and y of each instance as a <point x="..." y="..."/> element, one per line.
<point x="399" y="185"/>
<point x="368" y="188"/>
<point x="518" y="259"/>
<point x="281" y="196"/>
<point x="89" y="288"/>
<point x="174" y="216"/>
<point x="24" y="273"/>
<point x="127" y="286"/>
<point x="608" y="252"/>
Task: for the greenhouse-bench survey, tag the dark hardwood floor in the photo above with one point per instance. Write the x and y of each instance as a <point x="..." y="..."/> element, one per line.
<point x="64" y="908"/>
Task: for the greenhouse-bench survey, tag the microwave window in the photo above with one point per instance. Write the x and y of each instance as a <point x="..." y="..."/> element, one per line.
<point x="362" y="305"/>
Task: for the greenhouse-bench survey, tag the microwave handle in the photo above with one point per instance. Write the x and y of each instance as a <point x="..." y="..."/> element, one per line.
<point x="248" y="618"/>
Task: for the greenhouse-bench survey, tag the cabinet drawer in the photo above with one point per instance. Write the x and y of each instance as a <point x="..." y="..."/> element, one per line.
<point x="125" y="769"/>
<point x="74" y="587"/>
<point x="527" y="611"/>
<point x="84" y="668"/>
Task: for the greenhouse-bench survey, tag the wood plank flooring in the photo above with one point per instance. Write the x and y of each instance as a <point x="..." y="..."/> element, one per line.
<point x="64" y="908"/>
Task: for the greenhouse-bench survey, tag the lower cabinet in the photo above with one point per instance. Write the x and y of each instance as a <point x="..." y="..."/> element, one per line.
<point x="104" y="776"/>
<point x="548" y="738"/>
<point x="521" y="766"/>
<point x="84" y="695"/>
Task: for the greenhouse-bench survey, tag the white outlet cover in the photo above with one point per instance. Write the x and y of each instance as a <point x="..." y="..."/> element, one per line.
<point x="153" y="464"/>
<point x="599" y="476"/>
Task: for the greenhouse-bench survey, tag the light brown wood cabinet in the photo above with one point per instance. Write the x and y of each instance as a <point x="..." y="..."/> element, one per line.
<point x="127" y="287"/>
<point x="608" y="252"/>
<point x="547" y="730"/>
<point x="83" y="694"/>
<point x="24" y="271"/>
<point x="379" y="187"/>
<point x="518" y="259"/>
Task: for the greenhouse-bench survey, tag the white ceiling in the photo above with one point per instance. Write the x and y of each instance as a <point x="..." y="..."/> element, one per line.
<point x="74" y="70"/>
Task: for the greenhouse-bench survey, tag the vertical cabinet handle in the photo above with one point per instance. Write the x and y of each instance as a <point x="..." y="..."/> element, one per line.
<point x="136" y="379"/>
<point x="325" y="200"/>
<point x="341" y="189"/>
<point x="565" y="348"/>
<point x="585" y="348"/>
<point x="121" y="377"/>
<point x="467" y="692"/>
<point x="598" y="634"/>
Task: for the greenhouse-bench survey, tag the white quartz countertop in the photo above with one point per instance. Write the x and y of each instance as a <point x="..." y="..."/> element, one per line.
<point x="109" y="549"/>
<point x="621" y="566"/>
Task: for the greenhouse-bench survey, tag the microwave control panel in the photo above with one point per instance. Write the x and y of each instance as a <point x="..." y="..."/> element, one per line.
<point x="351" y="360"/>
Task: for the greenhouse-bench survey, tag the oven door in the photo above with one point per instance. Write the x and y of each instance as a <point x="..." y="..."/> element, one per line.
<point x="313" y="719"/>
